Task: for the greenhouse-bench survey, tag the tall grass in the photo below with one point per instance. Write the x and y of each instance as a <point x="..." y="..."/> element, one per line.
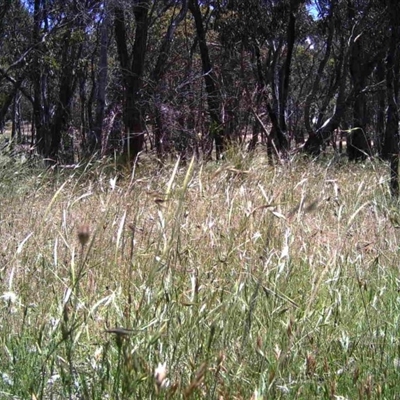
<point x="240" y="280"/>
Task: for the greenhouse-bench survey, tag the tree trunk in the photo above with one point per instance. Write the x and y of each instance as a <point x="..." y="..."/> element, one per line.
<point x="165" y="48"/>
<point x="318" y="76"/>
<point x="209" y="79"/>
<point x="391" y="144"/>
<point x="96" y="137"/>
<point x="284" y="74"/>
<point x="157" y="75"/>
<point x="6" y="5"/>
<point x="37" y="78"/>
<point x="316" y="142"/>
<point x="9" y="99"/>
<point x="359" y="147"/>
<point x="68" y="82"/>
<point x="132" y="75"/>
<point x="380" y="115"/>
<point x="276" y="135"/>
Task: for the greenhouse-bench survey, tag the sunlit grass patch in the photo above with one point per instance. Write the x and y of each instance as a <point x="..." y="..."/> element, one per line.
<point x="235" y="280"/>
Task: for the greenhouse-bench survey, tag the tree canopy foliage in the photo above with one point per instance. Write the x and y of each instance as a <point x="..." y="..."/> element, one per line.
<point x="105" y="76"/>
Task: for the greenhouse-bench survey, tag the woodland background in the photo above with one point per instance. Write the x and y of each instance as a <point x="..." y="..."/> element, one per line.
<point x="105" y="77"/>
<point x="271" y="274"/>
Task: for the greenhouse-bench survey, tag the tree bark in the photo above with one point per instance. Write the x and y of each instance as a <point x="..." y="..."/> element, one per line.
<point x="321" y="67"/>
<point x="380" y="113"/>
<point x="68" y="82"/>
<point x="9" y="99"/>
<point x="96" y="137"/>
<point x="36" y="77"/>
<point x="316" y="142"/>
<point x="132" y="75"/>
<point x="390" y="149"/>
<point x="358" y="147"/>
<point x="209" y="79"/>
<point x="284" y="74"/>
<point x="3" y="11"/>
<point x="158" y="73"/>
<point x="276" y="135"/>
<point x="390" y="143"/>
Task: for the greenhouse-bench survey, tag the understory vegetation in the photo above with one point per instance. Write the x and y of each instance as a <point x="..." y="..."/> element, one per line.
<point x="230" y="280"/>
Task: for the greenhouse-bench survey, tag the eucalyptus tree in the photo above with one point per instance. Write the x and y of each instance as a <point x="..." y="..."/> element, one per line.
<point x="60" y="32"/>
<point x="15" y="54"/>
<point x="267" y="32"/>
<point x="142" y="73"/>
<point x="357" y="45"/>
<point x="390" y="148"/>
<point x="367" y="48"/>
<point x="210" y="79"/>
<point x="331" y="80"/>
<point x="322" y="43"/>
<point x="177" y="12"/>
<point x="132" y="63"/>
<point x="100" y="80"/>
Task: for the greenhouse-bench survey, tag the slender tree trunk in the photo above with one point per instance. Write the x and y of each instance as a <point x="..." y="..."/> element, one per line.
<point x="157" y="75"/>
<point x="394" y="175"/>
<point x="359" y="147"/>
<point x="315" y="143"/>
<point x="132" y="75"/>
<point x="276" y="135"/>
<point x="83" y="107"/>
<point x="68" y="83"/>
<point x="380" y="115"/>
<point x="161" y="64"/>
<point x="390" y="149"/>
<point x="96" y="137"/>
<point x="318" y="76"/>
<point x="390" y="143"/>
<point x="9" y="98"/>
<point x="209" y="79"/>
<point x="37" y="79"/>
<point x="285" y="71"/>
<point x="6" y="5"/>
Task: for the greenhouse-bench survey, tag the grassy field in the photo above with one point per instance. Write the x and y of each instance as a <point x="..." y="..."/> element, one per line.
<point x="238" y="280"/>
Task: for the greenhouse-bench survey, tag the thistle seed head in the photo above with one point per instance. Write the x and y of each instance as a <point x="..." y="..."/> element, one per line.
<point x="83" y="234"/>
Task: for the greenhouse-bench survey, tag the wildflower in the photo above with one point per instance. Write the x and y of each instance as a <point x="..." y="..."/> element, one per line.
<point x="52" y="380"/>
<point x="7" y="378"/>
<point x="160" y="375"/>
<point x="97" y="358"/>
<point x="9" y="297"/>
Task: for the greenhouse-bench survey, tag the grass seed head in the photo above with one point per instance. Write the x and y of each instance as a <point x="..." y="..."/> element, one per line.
<point x="83" y="234"/>
<point x="311" y="364"/>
